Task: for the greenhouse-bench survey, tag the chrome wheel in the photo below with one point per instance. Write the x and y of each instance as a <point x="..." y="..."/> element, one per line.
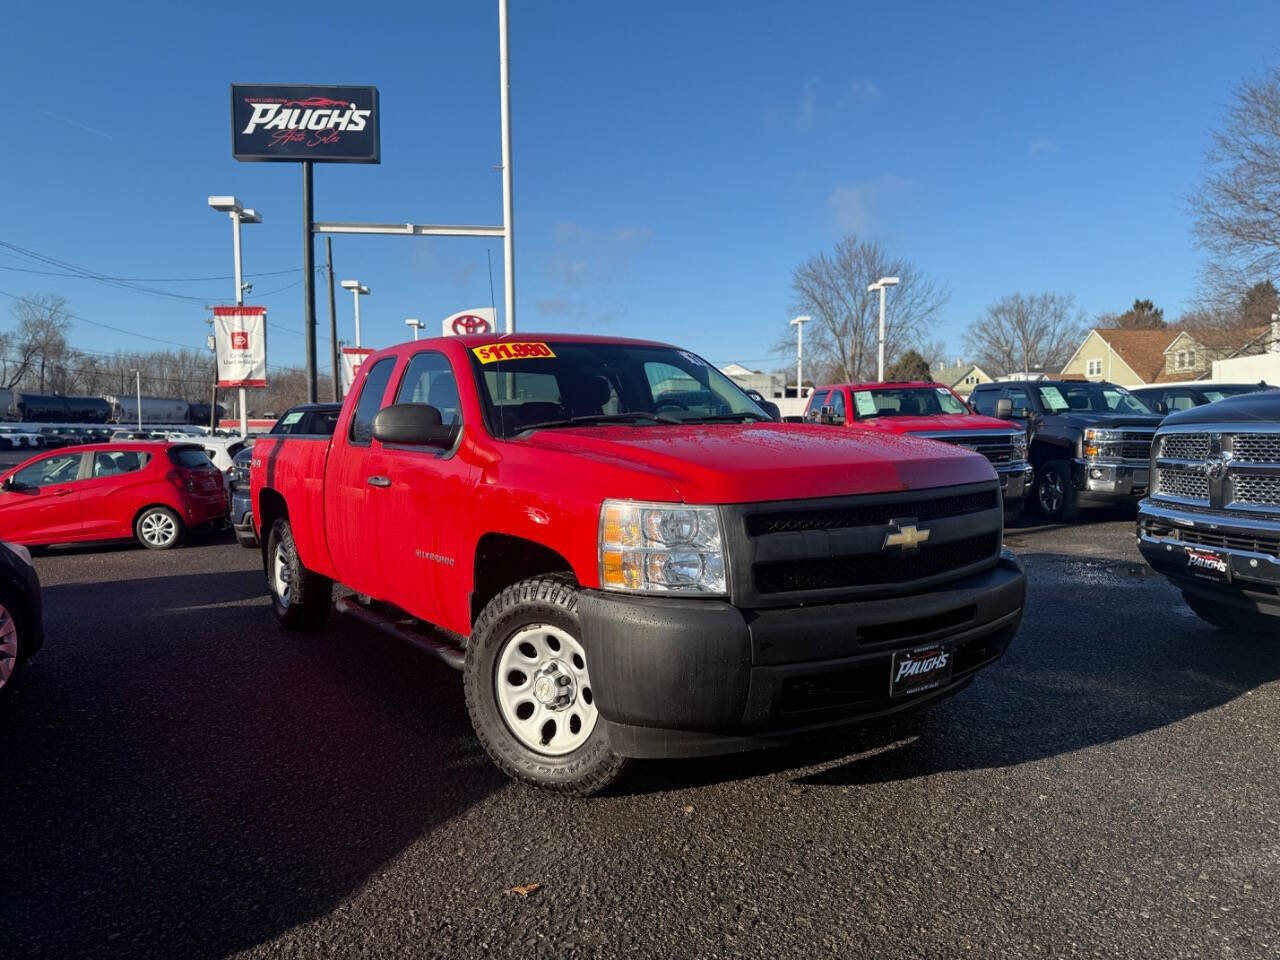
<point x="8" y="645"/>
<point x="543" y="690"/>
<point x="280" y="575"/>
<point x="158" y="529"/>
<point x="1051" y="492"/>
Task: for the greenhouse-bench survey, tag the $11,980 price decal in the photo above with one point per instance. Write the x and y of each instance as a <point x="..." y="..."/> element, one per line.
<point x="493" y="352"/>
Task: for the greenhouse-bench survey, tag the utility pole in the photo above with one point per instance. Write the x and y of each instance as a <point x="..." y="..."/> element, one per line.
<point x="138" y="381"/>
<point x="333" y="314"/>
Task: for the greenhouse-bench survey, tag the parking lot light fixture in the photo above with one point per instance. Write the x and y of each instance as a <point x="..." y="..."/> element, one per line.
<point x="416" y="324"/>
<point x="238" y="214"/>
<point x="799" y="323"/>
<point x="358" y="290"/>
<point x="881" y="285"/>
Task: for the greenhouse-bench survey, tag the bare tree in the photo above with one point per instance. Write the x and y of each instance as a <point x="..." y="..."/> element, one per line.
<point x="841" y="340"/>
<point x="1019" y="332"/>
<point x="40" y="338"/>
<point x="1237" y="207"/>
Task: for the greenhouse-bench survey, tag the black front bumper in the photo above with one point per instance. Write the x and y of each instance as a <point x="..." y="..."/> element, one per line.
<point x="242" y="514"/>
<point x="689" y="677"/>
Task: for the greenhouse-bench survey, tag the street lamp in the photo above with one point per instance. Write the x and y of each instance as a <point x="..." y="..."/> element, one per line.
<point x="239" y="214"/>
<point x="358" y="290"/>
<point x="416" y="324"/>
<point x="799" y="323"/>
<point x="880" y="285"/>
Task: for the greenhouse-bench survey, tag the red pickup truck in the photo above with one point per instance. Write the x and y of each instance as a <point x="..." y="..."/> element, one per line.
<point x="931" y="410"/>
<point x="626" y="557"/>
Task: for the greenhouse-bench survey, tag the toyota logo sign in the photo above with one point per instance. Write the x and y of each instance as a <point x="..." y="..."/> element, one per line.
<point x="470" y="323"/>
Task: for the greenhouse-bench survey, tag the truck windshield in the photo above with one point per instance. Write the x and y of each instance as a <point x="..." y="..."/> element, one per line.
<point x="556" y="384"/>
<point x="906" y="402"/>
<point x="1089" y="398"/>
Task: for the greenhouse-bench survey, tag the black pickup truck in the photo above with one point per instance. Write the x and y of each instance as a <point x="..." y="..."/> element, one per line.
<point x="1090" y="442"/>
<point x="1212" y="521"/>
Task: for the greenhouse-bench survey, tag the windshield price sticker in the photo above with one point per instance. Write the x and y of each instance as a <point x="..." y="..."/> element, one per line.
<point x="1053" y="399"/>
<point x="864" y="403"/>
<point x="493" y="352"/>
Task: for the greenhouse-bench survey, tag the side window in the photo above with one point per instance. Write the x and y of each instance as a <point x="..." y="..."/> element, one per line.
<point x="1019" y="398"/>
<point x="984" y="401"/>
<point x="370" y="402"/>
<point x="429" y="379"/>
<point x="115" y="462"/>
<point x="836" y="402"/>
<point x="50" y="470"/>
<point x="1178" y="401"/>
<point x="816" y="400"/>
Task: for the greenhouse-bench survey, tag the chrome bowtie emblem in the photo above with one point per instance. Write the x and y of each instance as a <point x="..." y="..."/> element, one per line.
<point x="904" y="535"/>
<point x="1215" y="465"/>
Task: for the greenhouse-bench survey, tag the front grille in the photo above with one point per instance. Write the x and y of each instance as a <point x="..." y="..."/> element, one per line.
<point x="995" y="450"/>
<point x="1133" y="449"/>
<point x="1257" y="447"/>
<point x="831" y="573"/>
<point x="836" y="518"/>
<point x="1184" y="446"/>
<point x="1250" y="542"/>
<point x="1256" y="490"/>
<point x="1187" y="484"/>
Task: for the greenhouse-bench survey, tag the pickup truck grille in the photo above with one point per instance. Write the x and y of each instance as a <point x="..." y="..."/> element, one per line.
<point x="1255" y="447"/>
<point x="1136" y="446"/>
<point x="1256" y="490"/>
<point x="1184" y="446"/>
<point x="842" y="548"/>
<point x="997" y="450"/>
<point x="1185" y="484"/>
<point x="830" y="573"/>
<point x="1219" y="469"/>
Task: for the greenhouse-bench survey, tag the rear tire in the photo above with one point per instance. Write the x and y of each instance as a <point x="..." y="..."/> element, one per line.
<point x="159" y="528"/>
<point x="301" y="597"/>
<point x="1226" y="617"/>
<point x="528" y="690"/>
<point x="13" y="639"/>
<point x="1056" y="493"/>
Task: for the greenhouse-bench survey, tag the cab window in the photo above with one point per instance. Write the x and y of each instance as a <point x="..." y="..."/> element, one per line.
<point x="1019" y="398"/>
<point x="984" y="401"/>
<point x="816" y="400"/>
<point x="836" y="402"/>
<point x="375" y="385"/>
<point x="429" y="379"/>
<point x="43" y="473"/>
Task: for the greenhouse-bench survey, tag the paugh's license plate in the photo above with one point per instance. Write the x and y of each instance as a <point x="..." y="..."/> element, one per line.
<point x="1208" y="564"/>
<point x="920" y="669"/>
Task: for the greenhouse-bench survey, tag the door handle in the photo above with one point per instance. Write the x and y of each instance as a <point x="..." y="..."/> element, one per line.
<point x="63" y="493"/>
<point x="379" y="481"/>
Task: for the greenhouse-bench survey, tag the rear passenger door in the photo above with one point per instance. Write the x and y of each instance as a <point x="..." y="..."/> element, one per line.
<point x="427" y="493"/>
<point x="113" y="481"/>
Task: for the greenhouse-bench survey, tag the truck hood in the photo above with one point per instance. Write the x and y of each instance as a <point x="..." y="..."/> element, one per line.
<point x="744" y="463"/>
<point x="939" y="423"/>
<point x="1082" y="420"/>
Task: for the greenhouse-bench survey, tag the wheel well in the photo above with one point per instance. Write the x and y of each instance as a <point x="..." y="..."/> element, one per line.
<point x="143" y="509"/>
<point x="502" y="560"/>
<point x="271" y="507"/>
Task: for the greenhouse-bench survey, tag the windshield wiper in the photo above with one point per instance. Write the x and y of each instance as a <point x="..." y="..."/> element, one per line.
<point x="727" y="417"/>
<point x="641" y="415"/>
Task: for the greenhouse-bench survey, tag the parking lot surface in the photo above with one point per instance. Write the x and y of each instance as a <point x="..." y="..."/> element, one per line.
<point x="178" y="778"/>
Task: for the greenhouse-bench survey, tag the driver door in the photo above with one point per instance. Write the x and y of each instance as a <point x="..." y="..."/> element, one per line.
<point x="44" y="504"/>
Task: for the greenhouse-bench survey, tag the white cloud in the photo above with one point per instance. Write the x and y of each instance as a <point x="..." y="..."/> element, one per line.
<point x="1037" y="147"/>
<point x="855" y="204"/>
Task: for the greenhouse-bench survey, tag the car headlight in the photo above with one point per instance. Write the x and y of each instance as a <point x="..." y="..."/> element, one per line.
<point x="1019" y="443"/>
<point x="661" y="548"/>
<point x="1094" y="438"/>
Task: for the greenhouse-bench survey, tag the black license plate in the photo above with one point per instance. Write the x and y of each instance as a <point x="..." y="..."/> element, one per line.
<point x="1208" y="564"/>
<point x="920" y="669"/>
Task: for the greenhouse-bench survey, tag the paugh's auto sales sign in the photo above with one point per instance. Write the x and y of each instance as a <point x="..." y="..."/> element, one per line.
<point x="293" y="123"/>
<point x="240" y="335"/>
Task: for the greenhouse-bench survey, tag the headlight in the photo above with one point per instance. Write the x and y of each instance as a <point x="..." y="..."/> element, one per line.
<point x="661" y="548"/>
<point x="1094" y="438"/>
<point x="1019" y="444"/>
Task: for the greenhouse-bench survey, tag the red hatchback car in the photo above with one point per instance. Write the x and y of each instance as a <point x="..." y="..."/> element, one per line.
<point x="148" y="490"/>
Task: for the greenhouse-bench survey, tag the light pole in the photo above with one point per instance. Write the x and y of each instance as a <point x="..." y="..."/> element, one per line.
<point x="239" y="214"/>
<point x="880" y="285"/>
<point x="508" y="205"/>
<point x="416" y="324"/>
<point x="358" y="290"/>
<point x="138" y="383"/>
<point x="799" y="323"/>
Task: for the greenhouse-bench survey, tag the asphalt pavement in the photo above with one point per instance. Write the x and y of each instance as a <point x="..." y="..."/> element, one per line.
<point x="178" y="778"/>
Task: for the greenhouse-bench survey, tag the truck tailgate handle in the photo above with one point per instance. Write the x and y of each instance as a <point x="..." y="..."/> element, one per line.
<point x="379" y="481"/>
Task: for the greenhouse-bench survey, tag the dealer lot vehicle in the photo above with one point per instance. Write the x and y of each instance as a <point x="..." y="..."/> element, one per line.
<point x="21" y="614"/>
<point x="315" y="420"/>
<point x="1172" y="397"/>
<point x="1212" y="521"/>
<point x="1090" y="441"/>
<point x="154" y="492"/>
<point x="933" y="411"/>
<point x="618" y="575"/>
<point x="22" y="438"/>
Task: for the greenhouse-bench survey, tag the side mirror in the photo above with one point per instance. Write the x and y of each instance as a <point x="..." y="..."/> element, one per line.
<point x="414" y="425"/>
<point x="1024" y="413"/>
<point x="1004" y="408"/>
<point x="9" y="484"/>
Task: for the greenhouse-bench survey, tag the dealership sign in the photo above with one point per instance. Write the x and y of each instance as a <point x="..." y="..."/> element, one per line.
<point x="293" y="123"/>
<point x="352" y="357"/>
<point x="479" y="320"/>
<point x="240" y="334"/>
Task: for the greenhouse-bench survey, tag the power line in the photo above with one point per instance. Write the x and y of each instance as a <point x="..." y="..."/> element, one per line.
<point x="61" y="273"/>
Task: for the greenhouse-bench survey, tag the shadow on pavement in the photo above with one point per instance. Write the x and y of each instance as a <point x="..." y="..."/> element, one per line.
<point x="193" y="783"/>
<point x="1075" y="677"/>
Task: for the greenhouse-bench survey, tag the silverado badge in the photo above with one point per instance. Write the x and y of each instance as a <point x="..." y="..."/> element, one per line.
<point x="905" y="535"/>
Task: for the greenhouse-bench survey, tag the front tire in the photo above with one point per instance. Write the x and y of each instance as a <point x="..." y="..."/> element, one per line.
<point x="1056" y="493"/>
<point x="13" y="640"/>
<point x="159" y="528"/>
<point x="301" y="597"/>
<point x="1226" y="617"/>
<point x="528" y="690"/>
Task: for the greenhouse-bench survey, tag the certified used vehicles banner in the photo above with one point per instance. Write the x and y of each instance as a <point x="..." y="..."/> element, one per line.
<point x="240" y="334"/>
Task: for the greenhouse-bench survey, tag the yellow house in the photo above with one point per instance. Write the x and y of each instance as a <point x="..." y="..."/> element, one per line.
<point x="1132" y="358"/>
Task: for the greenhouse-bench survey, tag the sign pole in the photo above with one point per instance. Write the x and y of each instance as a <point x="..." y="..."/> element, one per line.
<point x="235" y="222"/>
<point x="309" y="279"/>
<point x="508" y="243"/>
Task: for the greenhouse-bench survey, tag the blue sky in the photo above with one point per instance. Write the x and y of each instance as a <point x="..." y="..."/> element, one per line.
<point x="673" y="161"/>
